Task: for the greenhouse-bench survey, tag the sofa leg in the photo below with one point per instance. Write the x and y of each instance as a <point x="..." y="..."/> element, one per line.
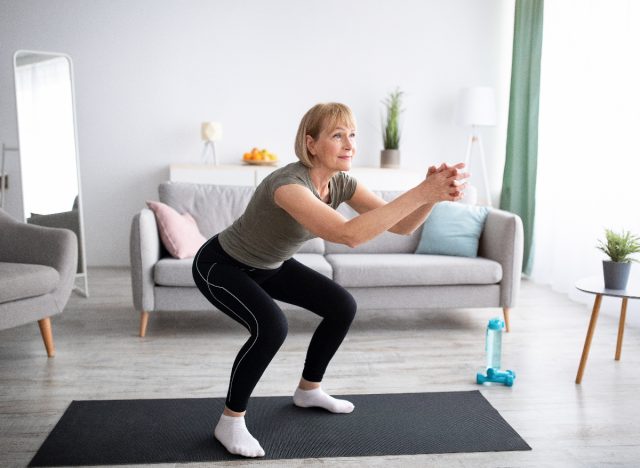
<point x="505" y="311"/>
<point x="47" y="336"/>
<point x="144" y="319"/>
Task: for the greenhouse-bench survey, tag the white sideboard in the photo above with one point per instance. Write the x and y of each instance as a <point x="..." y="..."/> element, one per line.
<point x="374" y="178"/>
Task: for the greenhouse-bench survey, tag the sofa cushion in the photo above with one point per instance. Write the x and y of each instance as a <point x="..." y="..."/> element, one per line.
<point x="176" y="272"/>
<point x="173" y="272"/>
<point x="315" y="262"/>
<point x="386" y="242"/>
<point x="312" y="246"/>
<point x="453" y="229"/>
<point x="214" y="207"/>
<point x="375" y="270"/>
<point x="24" y="280"/>
<point x="179" y="232"/>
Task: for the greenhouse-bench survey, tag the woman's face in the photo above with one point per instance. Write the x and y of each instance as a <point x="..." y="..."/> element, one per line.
<point x="334" y="149"/>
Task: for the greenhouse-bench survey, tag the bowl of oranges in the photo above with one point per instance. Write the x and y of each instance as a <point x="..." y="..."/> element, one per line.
<point x="260" y="157"/>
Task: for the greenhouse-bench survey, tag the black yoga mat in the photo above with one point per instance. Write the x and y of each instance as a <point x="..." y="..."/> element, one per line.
<point x="111" y="432"/>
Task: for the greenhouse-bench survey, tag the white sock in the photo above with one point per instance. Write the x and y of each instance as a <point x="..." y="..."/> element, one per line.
<point x="232" y="432"/>
<point x="317" y="397"/>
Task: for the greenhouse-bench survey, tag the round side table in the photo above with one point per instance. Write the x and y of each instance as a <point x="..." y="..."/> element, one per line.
<point x="595" y="285"/>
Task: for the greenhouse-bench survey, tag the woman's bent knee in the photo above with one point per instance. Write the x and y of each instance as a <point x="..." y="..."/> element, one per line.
<point x="274" y="333"/>
<point x="348" y="308"/>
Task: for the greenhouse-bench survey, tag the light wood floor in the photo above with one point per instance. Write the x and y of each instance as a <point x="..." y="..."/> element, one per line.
<point x="189" y="355"/>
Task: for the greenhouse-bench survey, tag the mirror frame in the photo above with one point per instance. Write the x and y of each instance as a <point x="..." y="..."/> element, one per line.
<point x="81" y="242"/>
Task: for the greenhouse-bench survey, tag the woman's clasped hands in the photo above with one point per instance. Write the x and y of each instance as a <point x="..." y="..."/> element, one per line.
<point x="445" y="183"/>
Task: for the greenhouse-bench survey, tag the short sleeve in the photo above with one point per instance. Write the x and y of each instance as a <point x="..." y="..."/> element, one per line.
<point x="286" y="179"/>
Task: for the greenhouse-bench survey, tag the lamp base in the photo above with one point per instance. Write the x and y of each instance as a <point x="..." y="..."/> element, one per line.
<point x="474" y="137"/>
<point x="205" y="158"/>
<point x="470" y="195"/>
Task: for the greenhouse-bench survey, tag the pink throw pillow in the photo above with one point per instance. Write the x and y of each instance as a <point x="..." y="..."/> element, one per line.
<point x="179" y="232"/>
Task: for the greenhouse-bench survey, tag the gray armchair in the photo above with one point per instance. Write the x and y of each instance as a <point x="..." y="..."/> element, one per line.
<point x="66" y="219"/>
<point x="37" y="272"/>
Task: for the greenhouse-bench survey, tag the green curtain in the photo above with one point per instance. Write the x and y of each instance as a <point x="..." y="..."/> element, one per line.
<point x="519" y="178"/>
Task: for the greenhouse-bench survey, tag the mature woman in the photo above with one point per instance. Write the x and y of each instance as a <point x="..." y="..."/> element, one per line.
<point x="244" y="268"/>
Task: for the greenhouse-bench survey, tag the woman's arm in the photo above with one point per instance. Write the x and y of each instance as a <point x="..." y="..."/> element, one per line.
<point x="365" y="200"/>
<point x="330" y="225"/>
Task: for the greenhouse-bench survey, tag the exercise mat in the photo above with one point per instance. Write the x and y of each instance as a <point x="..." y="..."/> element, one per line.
<point x="112" y="432"/>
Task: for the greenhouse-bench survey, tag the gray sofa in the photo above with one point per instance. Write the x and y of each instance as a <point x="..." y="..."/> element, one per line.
<point x="381" y="274"/>
<point x="37" y="272"/>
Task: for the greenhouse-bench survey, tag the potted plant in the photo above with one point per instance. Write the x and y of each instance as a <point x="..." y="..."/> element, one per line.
<point x="618" y="247"/>
<point x="390" y="155"/>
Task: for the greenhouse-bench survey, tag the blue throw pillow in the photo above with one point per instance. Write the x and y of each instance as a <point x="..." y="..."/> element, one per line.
<point x="453" y="228"/>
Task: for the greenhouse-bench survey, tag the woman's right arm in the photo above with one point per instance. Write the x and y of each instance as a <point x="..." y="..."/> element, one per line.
<point x="363" y="200"/>
<point x="330" y="225"/>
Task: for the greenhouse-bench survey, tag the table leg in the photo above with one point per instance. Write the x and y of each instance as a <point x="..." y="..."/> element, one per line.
<point x="587" y="342"/>
<point x="623" y="316"/>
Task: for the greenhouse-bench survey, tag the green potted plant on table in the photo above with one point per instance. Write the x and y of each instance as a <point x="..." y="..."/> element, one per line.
<point x="390" y="155"/>
<point x="618" y="247"/>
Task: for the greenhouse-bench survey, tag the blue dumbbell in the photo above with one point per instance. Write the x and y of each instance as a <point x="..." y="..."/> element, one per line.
<point x="497" y="376"/>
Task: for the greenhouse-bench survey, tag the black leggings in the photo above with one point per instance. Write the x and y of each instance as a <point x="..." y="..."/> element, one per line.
<point x="247" y="295"/>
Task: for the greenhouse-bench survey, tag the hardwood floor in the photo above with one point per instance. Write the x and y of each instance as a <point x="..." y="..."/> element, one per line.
<point x="100" y="356"/>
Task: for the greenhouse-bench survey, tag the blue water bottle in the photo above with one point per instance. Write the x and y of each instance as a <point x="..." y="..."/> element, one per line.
<point x="493" y="348"/>
<point x="493" y="344"/>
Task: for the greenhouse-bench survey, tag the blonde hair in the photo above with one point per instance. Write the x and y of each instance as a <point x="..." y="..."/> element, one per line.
<point x="321" y="116"/>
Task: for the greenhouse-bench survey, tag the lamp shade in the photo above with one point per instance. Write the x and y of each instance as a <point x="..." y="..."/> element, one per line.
<point x="211" y="131"/>
<point x="476" y="106"/>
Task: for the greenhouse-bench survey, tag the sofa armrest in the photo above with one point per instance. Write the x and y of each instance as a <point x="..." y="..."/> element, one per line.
<point x="144" y="250"/>
<point x="502" y="240"/>
<point x="66" y="219"/>
<point x="38" y="245"/>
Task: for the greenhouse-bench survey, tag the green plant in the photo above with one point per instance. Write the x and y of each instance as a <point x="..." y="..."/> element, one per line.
<point x="391" y="122"/>
<point x="618" y="247"/>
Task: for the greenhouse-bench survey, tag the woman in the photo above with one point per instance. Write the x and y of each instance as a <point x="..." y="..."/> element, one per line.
<point x="248" y="265"/>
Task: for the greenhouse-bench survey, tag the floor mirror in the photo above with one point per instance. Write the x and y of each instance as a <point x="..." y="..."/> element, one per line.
<point x="48" y="146"/>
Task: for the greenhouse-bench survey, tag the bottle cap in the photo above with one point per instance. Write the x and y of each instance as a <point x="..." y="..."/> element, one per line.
<point x="496" y="324"/>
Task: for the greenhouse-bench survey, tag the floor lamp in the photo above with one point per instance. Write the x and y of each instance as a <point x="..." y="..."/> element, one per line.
<point x="477" y="108"/>
<point x="210" y="133"/>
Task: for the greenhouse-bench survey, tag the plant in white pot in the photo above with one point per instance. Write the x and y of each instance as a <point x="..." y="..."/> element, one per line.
<point x="618" y="247"/>
<point x="390" y="155"/>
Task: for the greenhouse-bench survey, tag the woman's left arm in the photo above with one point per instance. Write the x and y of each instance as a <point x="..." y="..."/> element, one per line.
<point x="364" y="200"/>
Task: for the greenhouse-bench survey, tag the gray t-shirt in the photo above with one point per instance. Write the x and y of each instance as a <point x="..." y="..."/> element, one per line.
<point x="266" y="235"/>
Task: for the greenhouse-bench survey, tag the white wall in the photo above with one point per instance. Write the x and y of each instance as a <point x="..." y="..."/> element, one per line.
<point x="147" y="72"/>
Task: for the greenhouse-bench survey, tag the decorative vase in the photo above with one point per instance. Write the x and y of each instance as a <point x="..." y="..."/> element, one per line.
<point x="390" y="158"/>
<point x="616" y="274"/>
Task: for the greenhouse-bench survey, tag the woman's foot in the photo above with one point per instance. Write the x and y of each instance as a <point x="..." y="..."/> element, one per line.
<point x="318" y="398"/>
<point x="232" y="432"/>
